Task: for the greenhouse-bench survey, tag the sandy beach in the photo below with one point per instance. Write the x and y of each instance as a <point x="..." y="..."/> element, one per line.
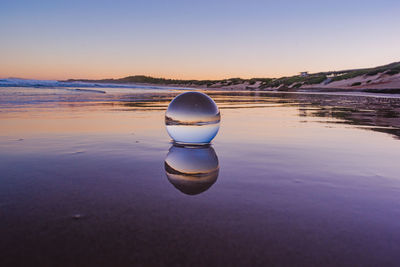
<point x="90" y="178"/>
<point x="199" y="133"/>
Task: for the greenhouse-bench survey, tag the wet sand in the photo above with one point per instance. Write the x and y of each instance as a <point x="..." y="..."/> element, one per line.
<point x="291" y="179"/>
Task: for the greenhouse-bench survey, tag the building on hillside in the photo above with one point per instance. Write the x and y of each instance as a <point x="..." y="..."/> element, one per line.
<point x="304" y="73"/>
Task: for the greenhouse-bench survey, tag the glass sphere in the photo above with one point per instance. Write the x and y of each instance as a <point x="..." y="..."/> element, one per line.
<point x="192" y="170"/>
<point x="192" y="118"/>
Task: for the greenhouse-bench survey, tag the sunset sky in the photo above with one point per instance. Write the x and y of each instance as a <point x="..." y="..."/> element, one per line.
<point x="194" y="39"/>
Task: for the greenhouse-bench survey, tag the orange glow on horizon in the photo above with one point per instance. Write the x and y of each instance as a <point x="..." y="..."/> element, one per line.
<point x="196" y="68"/>
<point x="58" y="74"/>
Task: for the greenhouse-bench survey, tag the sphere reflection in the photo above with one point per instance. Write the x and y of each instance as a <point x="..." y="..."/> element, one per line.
<point x="192" y="170"/>
<point x="192" y="118"/>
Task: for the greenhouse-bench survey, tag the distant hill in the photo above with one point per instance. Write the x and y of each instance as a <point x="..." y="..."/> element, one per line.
<point x="381" y="77"/>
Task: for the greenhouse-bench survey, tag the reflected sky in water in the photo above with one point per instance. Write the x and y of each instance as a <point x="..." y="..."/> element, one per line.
<point x="192" y="169"/>
<point x="300" y="179"/>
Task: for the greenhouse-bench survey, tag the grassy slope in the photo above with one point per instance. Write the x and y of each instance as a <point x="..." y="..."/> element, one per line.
<point x="262" y="83"/>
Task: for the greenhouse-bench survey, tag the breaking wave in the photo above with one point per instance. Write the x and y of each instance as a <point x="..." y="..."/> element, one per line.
<point x="15" y="82"/>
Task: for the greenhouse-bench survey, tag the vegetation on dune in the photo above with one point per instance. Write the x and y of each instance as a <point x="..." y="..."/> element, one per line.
<point x="349" y="75"/>
<point x="390" y="69"/>
<point x="315" y="79"/>
<point x="295" y="81"/>
<point x="297" y="85"/>
<point x="392" y="72"/>
<point x="356" y="84"/>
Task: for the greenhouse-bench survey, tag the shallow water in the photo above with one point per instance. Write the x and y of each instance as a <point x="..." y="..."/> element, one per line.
<point x="92" y="178"/>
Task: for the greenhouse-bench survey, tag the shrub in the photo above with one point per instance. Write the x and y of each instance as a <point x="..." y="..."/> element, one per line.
<point x="315" y="79"/>
<point x="263" y="80"/>
<point x="373" y="72"/>
<point x="297" y="85"/>
<point x="392" y="72"/>
<point x="349" y="75"/>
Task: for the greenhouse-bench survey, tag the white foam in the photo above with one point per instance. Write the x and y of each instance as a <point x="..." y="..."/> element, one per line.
<point x="15" y="82"/>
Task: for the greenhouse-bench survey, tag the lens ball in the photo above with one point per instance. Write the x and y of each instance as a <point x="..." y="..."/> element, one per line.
<point x="192" y="118"/>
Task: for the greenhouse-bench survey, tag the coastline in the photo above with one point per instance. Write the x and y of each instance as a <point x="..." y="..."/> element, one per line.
<point x="391" y="89"/>
<point x="383" y="79"/>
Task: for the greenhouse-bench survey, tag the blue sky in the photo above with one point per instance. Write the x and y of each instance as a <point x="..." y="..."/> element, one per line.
<point x="194" y="39"/>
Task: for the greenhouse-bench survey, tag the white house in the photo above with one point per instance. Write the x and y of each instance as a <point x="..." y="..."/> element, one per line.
<point x="304" y="73"/>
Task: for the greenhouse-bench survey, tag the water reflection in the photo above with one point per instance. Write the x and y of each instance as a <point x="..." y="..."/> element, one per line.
<point x="374" y="112"/>
<point x="192" y="169"/>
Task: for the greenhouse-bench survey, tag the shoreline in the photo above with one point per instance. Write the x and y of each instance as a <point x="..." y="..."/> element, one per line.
<point x="279" y="90"/>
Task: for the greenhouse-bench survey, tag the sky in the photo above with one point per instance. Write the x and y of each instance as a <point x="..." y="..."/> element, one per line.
<point x="194" y="39"/>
